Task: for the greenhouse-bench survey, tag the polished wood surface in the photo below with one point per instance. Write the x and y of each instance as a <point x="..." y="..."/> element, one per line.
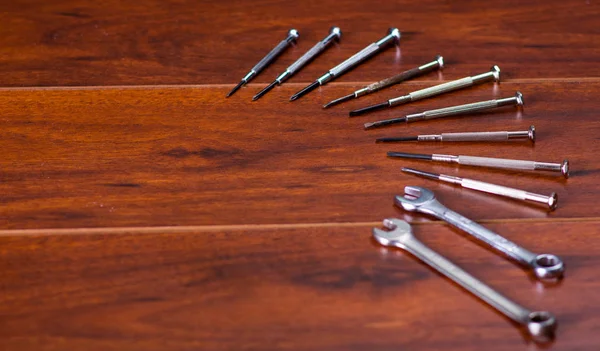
<point x="74" y="42"/>
<point x="140" y="209"/>
<point x="187" y="156"/>
<point x="308" y="288"/>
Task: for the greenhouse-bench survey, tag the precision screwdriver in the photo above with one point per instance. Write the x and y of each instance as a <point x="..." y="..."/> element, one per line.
<point x="436" y="64"/>
<point x="551" y="201"/>
<point x="489" y="162"/>
<point x="493" y="74"/>
<point x="393" y="36"/>
<point x="467" y="136"/>
<point x="516" y="100"/>
<point x="335" y="33"/>
<point x="277" y="50"/>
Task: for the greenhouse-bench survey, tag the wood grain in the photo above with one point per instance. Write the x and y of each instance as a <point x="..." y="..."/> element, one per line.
<point x="188" y="156"/>
<point x="75" y="42"/>
<point x="294" y="289"/>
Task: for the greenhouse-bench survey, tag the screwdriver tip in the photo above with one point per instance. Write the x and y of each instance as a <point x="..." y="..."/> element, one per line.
<point x="339" y="101"/>
<point x="421" y="173"/>
<point x="264" y="91"/>
<point x="387" y="122"/>
<point x="362" y="111"/>
<point x="235" y="88"/>
<point x="305" y="91"/>
<point x="393" y="140"/>
<point x="409" y="155"/>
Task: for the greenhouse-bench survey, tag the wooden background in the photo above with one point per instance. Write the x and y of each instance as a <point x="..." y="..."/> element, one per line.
<point x="141" y="210"/>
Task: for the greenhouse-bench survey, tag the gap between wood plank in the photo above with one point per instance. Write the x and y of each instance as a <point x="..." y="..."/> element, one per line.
<point x="290" y="84"/>
<point x="248" y="227"/>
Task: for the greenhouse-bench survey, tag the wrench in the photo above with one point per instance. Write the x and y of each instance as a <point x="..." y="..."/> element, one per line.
<point x="540" y="324"/>
<point x="544" y="266"/>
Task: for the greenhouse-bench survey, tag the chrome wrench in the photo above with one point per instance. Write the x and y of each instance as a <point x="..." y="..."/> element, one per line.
<point x="540" y="324"/>
<point x="418" y="199"/>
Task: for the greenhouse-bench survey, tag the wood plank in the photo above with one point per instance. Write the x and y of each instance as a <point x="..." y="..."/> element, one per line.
<point x="66" y="42"/>
<point x="293" y="289"/>
<point x="160" y="157"/>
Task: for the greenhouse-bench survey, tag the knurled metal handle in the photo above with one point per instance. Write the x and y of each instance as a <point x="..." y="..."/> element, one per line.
<point x="310" y="54"/>
<point x="442" y="88"/>
<point x="271" y="55"/>
<point x="496" y="162"/>
<point x="495" y="189"/>
<point x="457" y="110"/>
<point x="475" y="136"/>
<point x="354" y="60"/>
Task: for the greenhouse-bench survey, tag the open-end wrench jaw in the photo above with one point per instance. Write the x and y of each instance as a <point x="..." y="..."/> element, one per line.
<point x="416" y="198"/>
<point x="399" y="231"/>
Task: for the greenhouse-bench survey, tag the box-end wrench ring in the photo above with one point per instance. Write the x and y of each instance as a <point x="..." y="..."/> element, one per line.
<point x="418" y="199"/>
<point x="540" y="324"/>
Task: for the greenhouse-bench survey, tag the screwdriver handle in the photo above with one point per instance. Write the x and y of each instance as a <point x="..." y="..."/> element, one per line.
<point x="442" y="88"/>
<point x="354" y="60"/>
<point x="309" y="55"/>
<point x="392" y="36"/>
<point x="494" y="74"/>
<point x="406" y="75"/>
<point x="476" y="136"/>
<point x="335" y="34"/>
<point x="495" y="189"/>
<point x="277" y="50"/>
<point x="461" y="109"/>
<point x="497" y="162"/>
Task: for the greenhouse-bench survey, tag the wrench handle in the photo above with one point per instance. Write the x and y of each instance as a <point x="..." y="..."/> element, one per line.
<point x="467" y="281"/>
<point x="498" y="242"/>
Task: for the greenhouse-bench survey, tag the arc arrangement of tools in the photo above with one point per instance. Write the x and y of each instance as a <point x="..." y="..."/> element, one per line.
<point x="540" y="326"/>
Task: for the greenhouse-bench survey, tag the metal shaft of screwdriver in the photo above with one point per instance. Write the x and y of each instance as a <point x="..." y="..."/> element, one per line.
<point x="468" y="136"/>
<point x="335" y="34"/>
<point x="491" y="162"/>
<point x="393" y="36"/>
<point x="493" y="74"/>
<point x="516" y="100"/>
<point x="271" y="56"/>
<point x="436" y="64"/>
<point x="551" y="201"/>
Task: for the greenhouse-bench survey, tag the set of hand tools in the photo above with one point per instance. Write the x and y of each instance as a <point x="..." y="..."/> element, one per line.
<point x="540" y="325"/>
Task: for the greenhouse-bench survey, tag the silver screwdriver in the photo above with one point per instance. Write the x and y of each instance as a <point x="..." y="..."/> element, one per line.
<point x="393" y="36"/>
<point x="468" y="136"/>
<point x="271" y="56"/>
<point x="491" y="162"/>
<point x="436" y="64"/>
<point x="335" y="34"/>
<point x="551" y="201"/>
<point x="516" y="100"/>
<point x="493" y="74"/>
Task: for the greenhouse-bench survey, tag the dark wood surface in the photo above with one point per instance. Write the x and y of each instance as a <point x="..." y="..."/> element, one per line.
<point x="140" y="209"/>
<point x="306" y="288"/>
<point x="72" y="42"/>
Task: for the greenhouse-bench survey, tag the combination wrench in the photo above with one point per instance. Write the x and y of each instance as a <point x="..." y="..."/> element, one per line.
<point x="540" y="324"/>
<point x="418" y="199"/>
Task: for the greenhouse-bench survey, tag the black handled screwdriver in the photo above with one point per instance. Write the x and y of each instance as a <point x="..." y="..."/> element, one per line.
<point x="335" y="34"/>
<point x="277" y="50"/>
<point x="393" y="36"/>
